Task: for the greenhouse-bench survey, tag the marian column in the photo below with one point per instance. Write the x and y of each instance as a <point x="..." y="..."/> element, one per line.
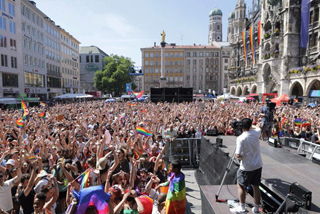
<point x="163" y="79"/>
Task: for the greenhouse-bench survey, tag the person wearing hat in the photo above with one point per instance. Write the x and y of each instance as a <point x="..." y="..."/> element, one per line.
<point x="6" y="203"/>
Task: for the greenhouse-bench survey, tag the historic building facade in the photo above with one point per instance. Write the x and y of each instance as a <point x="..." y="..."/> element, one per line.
<point x="281" y="64"/>
<point x="91" y="60"/>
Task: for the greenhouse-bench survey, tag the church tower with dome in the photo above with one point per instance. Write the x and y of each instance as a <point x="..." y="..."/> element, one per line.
<point x="215" y="26"/>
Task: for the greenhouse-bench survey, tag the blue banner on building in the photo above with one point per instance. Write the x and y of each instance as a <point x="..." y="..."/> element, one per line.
<point x="304" y="32"/>
<point x="128" y="87"/>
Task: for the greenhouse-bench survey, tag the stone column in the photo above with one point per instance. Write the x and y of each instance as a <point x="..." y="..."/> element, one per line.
<point x="163" y="79"/>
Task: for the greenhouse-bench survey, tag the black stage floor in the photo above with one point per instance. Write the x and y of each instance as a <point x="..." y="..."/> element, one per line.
<point x="281" y="167"/>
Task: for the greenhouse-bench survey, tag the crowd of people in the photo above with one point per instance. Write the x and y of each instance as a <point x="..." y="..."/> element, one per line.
<point x="59" y="151"/>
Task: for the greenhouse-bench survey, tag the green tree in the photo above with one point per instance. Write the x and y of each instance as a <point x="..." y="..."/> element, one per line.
<point x="114" y="75"/>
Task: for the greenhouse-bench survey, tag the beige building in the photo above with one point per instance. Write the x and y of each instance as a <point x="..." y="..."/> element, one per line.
<point x="69" y="62"/>
<point x="194" y="66"/>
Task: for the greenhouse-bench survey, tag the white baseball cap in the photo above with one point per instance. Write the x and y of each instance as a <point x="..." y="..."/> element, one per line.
<point x="10" y="161"/>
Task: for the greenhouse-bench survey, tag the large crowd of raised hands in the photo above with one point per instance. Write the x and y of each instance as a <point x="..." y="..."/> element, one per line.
<point x="42" y="159"/>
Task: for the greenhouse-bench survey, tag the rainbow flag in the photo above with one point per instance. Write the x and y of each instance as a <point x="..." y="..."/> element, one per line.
<point x="143" y="131"/>
<point x="110" y="110"/>
<point x="84" y="179"/>
<point x="167" y="137"/>
<point x="244" y="38"/>
<point x="42" y="115"/>
<point x="32" y="157"/>
<point x="252" y="41"/>
<point x="132" y="104"/>
<point x="25" y="110"/>
<point x="282" y="122"/>
<point x="176" y="196"/>
<point x="42" y="104"/>
<point x="259" y="32"/>
<point x="298" y="121"/>
<point x="83" y="111"/>
<point x="305" y="123"/>
<point x="92" y="196"/>
<point x="138" y="95"/>
<point x="19" y="123"/>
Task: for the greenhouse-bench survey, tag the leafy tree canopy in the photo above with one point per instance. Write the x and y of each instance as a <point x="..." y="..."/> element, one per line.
<point x="114" y="75"/>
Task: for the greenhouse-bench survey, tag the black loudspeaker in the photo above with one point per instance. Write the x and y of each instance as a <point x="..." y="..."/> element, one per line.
<point x="300" y="195"/>
<point x="219" y="141"/>
<point x="212" y="132"/>
<point x="273" y="142"/>
<point x="171" y="95"/>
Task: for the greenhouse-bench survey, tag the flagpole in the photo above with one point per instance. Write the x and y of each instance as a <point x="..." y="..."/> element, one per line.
<point x="80" y="175"/>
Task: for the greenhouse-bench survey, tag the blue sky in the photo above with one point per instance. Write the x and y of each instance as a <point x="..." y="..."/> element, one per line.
<point x="124" y="26"/>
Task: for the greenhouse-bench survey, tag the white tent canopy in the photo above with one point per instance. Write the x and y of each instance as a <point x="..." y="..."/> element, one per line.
<point x="70" y="96"/>
<point x="227" y="97"/>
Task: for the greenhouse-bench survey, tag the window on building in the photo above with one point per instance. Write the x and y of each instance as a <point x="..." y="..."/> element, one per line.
<point x="225" y="60"/>
<point x="11" y="8"/>
<point x="146" y="55"/>
<point x="166" y="54"/>
<point x="316" y="14"/>
<point x="4" y="60"/>
<point x="146" y="62"/>
<point x="96" y="58"/>
<point x="176" y="55"/>
<point x="3" y="41"/>
<point x="156" y="62"/>
<point x="194" y="61"/>
<point x="166" y="63"/>
<point x="9" y="80"/>
<point x="151" y="70"/>
<point x="33" y="80"/>
<point x="194" y="54"/>
<point x="156" y="54"/>
<point x="171" y="62"/>
<point x="87" y="58"/>
<point x="156" y="70"/>
<point x="181" y="70"/>
<point x="171" y="70"/>
<point x="188" y="61"/>
<point x="188" y="54"/>
<point x="2" y="5"/>
<point x="53" y="82"/>
<point x="3" y="23"/>
<point x="171" y="54"/>
<point x="151" y="55"/>
<point x="13" y="62"/>
<point x="151" y="62"/>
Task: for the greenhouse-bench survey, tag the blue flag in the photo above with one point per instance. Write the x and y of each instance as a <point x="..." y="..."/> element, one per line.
<point x="304" y="32"/>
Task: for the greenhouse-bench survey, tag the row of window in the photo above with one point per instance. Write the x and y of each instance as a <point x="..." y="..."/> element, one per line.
<point x="3" y="43"/>
<point x="68" y="51"/>
<point x="33" y="61"/>
<point x="151" y="55"/>
<point x="50" y="30"/>
<point x="52" y="56"/>
<point x="32" y="46"/>
<point x="32" y="32"/>
<point x="51" y="43"/>
<point x="69" y="42"/>
<point x="69" y="71"/>
<point x="4" y="61"/>
<point x="201" y="54"/>
<point x="69" y="62"/>
<point x="170" y="78"/>
<point x="36" y="80"/>
<point x="53" y="69"/>
<point x="26" y="12"/>
<point x="89" y="58"/>
<point x="156" y="70"/>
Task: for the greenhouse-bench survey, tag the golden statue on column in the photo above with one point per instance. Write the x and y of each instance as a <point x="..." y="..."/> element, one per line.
<point x="163" y="34"/>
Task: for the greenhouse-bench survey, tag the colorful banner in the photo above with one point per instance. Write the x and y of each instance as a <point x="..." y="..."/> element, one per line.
<point x="252" y="41"/>
<point x="244" y="36"/>
<point x="259" y="32"/>
<point x="304" y="32"/>
<point x="128" y="88"/>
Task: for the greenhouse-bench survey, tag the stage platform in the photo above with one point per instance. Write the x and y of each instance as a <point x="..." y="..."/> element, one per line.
<point x="281" y="167"/>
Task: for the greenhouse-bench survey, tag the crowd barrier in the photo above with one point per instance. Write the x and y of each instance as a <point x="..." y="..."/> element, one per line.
<point x="186" y="150"/>
<point x="307" y="148"/>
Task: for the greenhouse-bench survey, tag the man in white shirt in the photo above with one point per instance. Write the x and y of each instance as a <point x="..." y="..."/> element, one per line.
<point x="248" y="151"/>
<point x="5" y="191"/>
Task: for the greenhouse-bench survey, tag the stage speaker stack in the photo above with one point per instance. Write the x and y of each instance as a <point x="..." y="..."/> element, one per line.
<point x="300" y="195"/>
<point x="171" y="95"/>
<point x="219" y="142"/>
<point x="273" y="142"/>
<point x="212" y="132"/>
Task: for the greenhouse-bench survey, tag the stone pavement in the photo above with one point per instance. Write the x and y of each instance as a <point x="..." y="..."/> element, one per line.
<point x="193" y="192"/>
